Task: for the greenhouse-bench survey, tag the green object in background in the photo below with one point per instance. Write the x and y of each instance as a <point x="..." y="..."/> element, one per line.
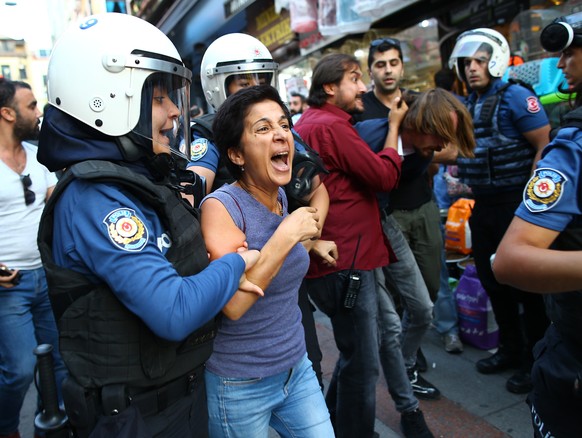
<point x="556" y="97"/>
<point x="453" y="282"/>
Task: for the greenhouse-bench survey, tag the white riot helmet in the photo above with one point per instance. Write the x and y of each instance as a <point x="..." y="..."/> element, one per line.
<point x="481" y="40"/>
<point x="231" y="56"/>
<point x="106" y="72"/>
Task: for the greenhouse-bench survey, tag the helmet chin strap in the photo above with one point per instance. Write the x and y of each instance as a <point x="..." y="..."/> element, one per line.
<point x="133" y="149"/>
<point x="130" y="148"/>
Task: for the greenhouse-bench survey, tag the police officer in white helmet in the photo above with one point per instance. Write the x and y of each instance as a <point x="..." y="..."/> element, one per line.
<point x="511" y="128"/>
<point x="128" y="273"/>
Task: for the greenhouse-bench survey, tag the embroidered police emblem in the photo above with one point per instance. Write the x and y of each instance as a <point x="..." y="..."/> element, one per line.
<point x="544" y="190"/>
<point x="533" y="104"/>
<point x="126" y="230"/>
<point x="198" y="149"/>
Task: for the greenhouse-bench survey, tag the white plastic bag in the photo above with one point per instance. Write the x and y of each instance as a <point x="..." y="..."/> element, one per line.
<point x="303" y="14"/>
<point x="378" y="8"/>
<point x="338" y="17"/>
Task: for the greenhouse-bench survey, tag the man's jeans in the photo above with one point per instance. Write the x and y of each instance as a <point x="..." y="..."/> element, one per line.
<point x="26" y="320"/>
<point x="291" y="402"/>
<point x="405" y="279"/>
<point x="391" y="359"/>
<point x="420" y="227"/>
<point x="351" y="397"/>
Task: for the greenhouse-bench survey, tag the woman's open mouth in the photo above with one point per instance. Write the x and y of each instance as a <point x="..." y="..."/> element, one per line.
<point x="281" y="161"/>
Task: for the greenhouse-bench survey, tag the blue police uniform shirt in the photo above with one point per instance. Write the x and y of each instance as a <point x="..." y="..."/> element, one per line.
<point x="117" y="239"/>
<point x="551" y="199"/>
<point x="204" y="153"/>
<point x="519" y="110"/>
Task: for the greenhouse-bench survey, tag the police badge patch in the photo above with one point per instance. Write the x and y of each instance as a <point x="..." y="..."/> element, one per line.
<point x="126" y="230"/>
<point x="544" y="190"/>
<point x="533" y="105"/>
<point x="198" y="149"/>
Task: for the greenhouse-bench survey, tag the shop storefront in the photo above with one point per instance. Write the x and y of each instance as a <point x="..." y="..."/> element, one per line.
<point x="299" y="32"/>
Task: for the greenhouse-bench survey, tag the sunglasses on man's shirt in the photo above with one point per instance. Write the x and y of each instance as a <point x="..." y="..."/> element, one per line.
<point x="29" y="196"/>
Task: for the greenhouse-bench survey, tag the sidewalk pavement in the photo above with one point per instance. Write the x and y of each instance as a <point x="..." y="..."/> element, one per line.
<point x="472" y="405"/>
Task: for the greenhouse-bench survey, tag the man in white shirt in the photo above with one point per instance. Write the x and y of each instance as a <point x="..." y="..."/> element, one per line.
<point x="26" y="317"/>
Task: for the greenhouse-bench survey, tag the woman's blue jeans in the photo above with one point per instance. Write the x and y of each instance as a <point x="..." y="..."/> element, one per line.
<point x="290" y="402"/>
<point x="26" y="320"/>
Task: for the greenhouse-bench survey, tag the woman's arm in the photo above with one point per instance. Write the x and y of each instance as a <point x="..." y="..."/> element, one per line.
<point x="524" y="260"/>
<point x="222" y="236"/>
<point x="319" y="199"/>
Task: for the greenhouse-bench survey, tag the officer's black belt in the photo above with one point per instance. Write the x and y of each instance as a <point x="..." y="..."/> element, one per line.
<point x="155" y="400"/>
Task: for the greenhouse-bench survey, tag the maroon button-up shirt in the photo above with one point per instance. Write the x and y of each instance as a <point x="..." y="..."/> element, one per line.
<point x="356" y="174"/>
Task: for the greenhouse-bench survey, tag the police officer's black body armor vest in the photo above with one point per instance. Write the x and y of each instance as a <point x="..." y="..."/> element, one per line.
<point x="101" y="341"/>
<point x="565" y="309"/>
<point x="500" y="162"/>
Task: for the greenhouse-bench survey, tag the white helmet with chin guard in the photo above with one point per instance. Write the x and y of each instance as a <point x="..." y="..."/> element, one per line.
<point x="103" y="72"/>
<point x="481" y="40"/>
<point x="231" y="56"/>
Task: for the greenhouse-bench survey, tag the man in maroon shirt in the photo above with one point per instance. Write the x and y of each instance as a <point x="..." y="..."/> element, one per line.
<point x="356" y="174"/>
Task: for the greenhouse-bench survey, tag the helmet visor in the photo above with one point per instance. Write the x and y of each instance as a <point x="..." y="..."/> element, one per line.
<point x="471" y="49"/>
<point x="236" y="82"/>
<point x="164" y="114"/>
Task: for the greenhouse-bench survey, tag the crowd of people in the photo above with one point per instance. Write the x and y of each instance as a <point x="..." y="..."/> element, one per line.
<point x="179" y="259"/>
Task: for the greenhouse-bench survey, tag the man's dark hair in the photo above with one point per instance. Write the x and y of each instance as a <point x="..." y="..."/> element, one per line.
<point x="383" y="46"/>
<point x="300" y="96"/>
<point x="8" y="90"/>
<point x="329" y="70"/>
<point x="445" y="78"/>
<point x="229" y="122"/>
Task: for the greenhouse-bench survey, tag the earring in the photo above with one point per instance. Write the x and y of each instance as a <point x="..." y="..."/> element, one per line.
<point x="242" y="168"/>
